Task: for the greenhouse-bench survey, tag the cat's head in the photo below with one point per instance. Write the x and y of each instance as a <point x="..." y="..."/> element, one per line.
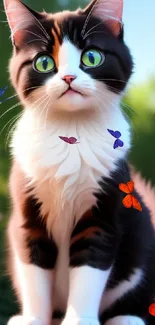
<point x="69" y="61"/>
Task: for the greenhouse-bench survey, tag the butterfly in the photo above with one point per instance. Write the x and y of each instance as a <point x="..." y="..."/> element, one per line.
<point x="152" y="309"/>
<point x="2" y="92"/>
<point x="118" y="142"/>
<point x="130" y="200"/>
<point x="70" y="140"/>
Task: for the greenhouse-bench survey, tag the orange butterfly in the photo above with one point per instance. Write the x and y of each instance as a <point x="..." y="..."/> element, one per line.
<point x="152" y="309"/>
<point x="129" y="200"/>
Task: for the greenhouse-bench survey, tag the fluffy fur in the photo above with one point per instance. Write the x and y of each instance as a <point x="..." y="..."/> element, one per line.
<point x="87" y="256"/>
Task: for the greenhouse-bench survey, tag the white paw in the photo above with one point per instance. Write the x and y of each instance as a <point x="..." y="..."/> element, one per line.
<point x="125" y="320"/>
<point x="80" y="321"/>
<point x="20" y="320"/>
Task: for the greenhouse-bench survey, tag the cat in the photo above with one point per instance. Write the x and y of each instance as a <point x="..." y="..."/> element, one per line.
<point x="75" y="250"/>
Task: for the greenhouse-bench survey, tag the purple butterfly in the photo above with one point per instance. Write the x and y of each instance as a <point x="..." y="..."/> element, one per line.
<point x="70" y="140"/>
<point x="117" y="135"/>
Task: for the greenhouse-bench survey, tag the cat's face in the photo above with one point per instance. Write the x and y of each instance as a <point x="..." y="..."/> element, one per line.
<point x="69" y="61"/>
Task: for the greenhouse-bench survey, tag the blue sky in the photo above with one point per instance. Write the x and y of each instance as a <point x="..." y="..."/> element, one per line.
<point x="139" y="20"/>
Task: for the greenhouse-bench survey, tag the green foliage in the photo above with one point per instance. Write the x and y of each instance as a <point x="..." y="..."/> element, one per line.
<point x="138" y="104"/>
<point x="140" y="107"/>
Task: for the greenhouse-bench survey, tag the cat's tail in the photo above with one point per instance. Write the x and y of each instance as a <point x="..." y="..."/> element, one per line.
<point x="146" y="191"/>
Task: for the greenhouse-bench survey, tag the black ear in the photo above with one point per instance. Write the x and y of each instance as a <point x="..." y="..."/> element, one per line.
<point x="21" y="18"/>
<point x="110" y="11"/>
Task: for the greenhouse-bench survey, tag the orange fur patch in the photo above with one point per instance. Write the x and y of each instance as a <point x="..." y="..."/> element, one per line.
<point x="89" y="232"/>
<point x="56" y="47"/>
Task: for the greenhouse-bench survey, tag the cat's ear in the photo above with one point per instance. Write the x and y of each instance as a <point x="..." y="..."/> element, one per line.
<point x="21" y="18"/>
<point x="110" y="11"/>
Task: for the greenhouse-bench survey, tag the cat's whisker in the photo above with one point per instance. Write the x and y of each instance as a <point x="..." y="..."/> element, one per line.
<point x="87" y="86"/>
<point x="99" y="97"/>
<point x="16" y="95"/>
<point x="94" y="93"/>
<point x="10" y="109"/>
<point x="4" y="21"/>
<point x="35" y="40"/>
<point x="99" y="101"/>
<point x="33" y="105"/>
<point x="96" y="32"/>
<point x="132" y="126"/>
<point x="46" y="115"/>
<point x="11" y="128"/>
<point x="45" y="98"/>
<point x="29" y="97"/>
<point x="41" y="28"/>
<point x="14" y="122"/>
<point x="100" y="23"/>
<point x="130" y="108"/>
<point x="113" y="89"/>
<point x="4" y="127"/>
<point x="40" y="37"/>
<point x="35" y="21"/>
<point x="19" y="103"/>
<point x="108" y="79"/>
<point x="86" y="21"/>
<point x="14" y="118"/>
<point x="10" y="133"/>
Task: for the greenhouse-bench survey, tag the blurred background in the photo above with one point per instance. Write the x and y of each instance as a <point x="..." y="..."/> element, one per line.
<point x="138" y="104"/>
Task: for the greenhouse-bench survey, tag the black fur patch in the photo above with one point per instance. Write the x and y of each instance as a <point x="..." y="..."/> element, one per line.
<point x="126" y="242"/>
<point x="97" y="248"/>
<point x="42" y="248"/>
<point x="43" y="252"/>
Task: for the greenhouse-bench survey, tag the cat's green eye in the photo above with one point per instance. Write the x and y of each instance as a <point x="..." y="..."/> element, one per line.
<point x="44" y="64"/>
<point x="92" y="58"/>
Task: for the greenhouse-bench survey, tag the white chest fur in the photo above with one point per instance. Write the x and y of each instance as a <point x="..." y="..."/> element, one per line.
<point x="67" y="175"/>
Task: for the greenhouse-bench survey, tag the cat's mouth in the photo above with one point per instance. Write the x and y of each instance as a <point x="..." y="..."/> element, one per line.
<point x="71" y="91"/>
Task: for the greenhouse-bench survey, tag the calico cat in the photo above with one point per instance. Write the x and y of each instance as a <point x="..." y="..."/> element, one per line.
<point x="74" y="247"/>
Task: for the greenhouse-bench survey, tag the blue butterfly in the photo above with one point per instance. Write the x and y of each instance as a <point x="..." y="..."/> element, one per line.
<point x="3" y="90"/>
<point x="116" y="135"/>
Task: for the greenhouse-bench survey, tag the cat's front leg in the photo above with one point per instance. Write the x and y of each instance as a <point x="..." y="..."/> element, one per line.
<point x="32" y="262"/>
<point x="92" y="254"/>
<point x="86" y="287"/>
<point x="21" y="320"/>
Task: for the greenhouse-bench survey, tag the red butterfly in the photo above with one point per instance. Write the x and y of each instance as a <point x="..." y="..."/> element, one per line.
<point x="70" y="140"/>
<point x="129" y="200"/>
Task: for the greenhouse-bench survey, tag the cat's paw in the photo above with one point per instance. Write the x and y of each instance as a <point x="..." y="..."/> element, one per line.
<point x="80" y="321"/>
<point x="20" y="320"/>
<point x="125" y="320"/>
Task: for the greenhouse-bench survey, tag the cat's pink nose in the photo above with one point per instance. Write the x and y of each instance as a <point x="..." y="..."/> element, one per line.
<point x="69" y="78"/>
